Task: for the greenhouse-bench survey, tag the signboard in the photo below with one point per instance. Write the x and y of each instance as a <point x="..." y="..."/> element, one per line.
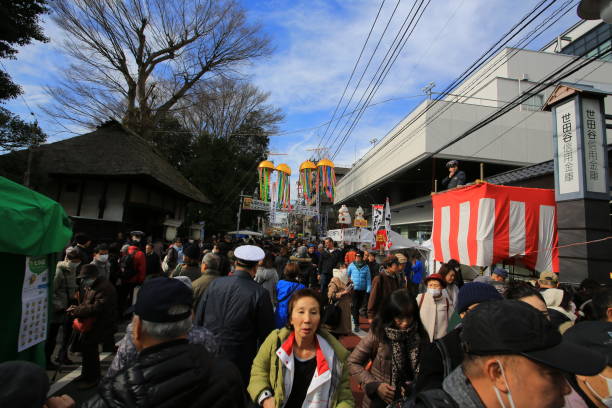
<point x="33" y="327"/>
<point x="567" y="149"/>
<point x="580" y="149"/>
<point x="593" y="146"/>
<point x="362" y="223"/>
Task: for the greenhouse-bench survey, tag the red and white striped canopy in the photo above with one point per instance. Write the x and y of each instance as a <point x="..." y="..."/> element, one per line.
<point x="483" y="224"/>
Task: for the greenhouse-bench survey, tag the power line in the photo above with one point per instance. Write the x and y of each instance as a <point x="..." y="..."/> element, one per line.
<point x="530" y="37"/>
<point x="395" y="54"/>
<point x="321" y="142"/>
<point x="354" y="69"/>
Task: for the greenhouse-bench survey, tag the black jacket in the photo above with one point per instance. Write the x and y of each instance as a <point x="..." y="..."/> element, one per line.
<point x="431" y="373"/>
<point x="239" y="312"/>
<point x="328" y="261"/>
<point x="153" y="264"/>
<point x="457" y="180"/>
<point x="173" y="374"/>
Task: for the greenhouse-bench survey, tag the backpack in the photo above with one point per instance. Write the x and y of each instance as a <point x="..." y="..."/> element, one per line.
<point x="128" y="268"/>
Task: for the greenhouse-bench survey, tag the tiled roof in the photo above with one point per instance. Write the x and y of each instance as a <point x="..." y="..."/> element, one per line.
<point x="524" y="173"/>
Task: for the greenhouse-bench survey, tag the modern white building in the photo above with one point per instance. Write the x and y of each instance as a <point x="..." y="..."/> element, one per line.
<point x="401" y="165"/>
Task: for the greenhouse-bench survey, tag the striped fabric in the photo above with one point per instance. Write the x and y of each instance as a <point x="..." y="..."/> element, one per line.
<point x="483" y="224"/>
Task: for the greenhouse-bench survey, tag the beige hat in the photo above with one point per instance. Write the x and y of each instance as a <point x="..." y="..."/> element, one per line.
<point x="548" y="276"/>
<point x="401" y="258"/>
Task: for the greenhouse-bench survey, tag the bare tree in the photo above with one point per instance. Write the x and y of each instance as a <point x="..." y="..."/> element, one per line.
<point x="135" y="59"/>
<point x="220" y="106"/>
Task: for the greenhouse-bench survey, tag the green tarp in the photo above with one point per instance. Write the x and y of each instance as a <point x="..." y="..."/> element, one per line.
<point x="31" y="223"/>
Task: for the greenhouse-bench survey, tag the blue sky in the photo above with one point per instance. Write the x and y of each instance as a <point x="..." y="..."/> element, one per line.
<point x="316" y="45"/>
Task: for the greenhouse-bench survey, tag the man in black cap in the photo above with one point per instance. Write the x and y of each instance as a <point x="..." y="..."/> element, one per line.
<point x="455" y="177"/>
<point x="514" y="357"/>
<point x="238" y="310"/>
<point x="191" y="263"/>
<point x="169" y="371"/>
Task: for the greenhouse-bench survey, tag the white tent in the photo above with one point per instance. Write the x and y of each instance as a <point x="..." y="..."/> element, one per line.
<point x="245" y="232"/>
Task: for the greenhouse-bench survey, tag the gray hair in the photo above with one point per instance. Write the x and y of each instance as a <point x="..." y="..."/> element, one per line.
<point x="169" y="330"/>
<point x="211" y="261"/>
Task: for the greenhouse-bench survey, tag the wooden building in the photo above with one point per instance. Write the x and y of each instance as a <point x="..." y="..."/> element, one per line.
<point x="109" y="180"/>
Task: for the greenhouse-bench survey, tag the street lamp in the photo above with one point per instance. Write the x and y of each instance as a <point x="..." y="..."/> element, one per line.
<point x="595" y="10"/>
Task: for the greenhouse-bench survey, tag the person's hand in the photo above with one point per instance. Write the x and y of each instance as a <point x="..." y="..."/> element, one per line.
<point x="386" y="392"/>
<point x="370" y="321"/>
<point x="64" y="401"/>
<point x="268" y="403"/>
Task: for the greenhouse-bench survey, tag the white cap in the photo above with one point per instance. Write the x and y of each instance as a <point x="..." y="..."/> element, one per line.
<point x="249" y="253"/>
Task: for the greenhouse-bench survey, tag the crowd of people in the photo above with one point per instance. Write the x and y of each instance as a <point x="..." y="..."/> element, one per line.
<point x="262" y="323"/>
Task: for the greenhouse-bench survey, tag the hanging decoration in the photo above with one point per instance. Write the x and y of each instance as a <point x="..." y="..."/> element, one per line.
<point x="284" y="174"/>
<point x="326" y="178"/>
<point x="265" y="170"/>
<point x="308" y="180"/>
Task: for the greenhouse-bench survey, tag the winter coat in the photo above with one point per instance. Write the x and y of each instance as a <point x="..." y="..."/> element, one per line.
<point x="417" y="272"/>
<point x="328" y="261"/>
<point x="272" y="370"/>
<point x="435" y="314"/>
<point x="193" y="272"/>
<point x="371" y="348"/>
<point x="64" y="288"/>
<point x="201" y="284"/>
<point x="458" y="179"/>
<point x="431" y="373"/>
<point x="173" y="374"/>
<point x="153" y="264"/>
<point x="267" y="278"/>
<point x="361" y="277"/>
<point x="140" y="263"/>
<point x="239" y="312"/>
<point x="344" y="327"/>
<point x="99" y="302"/>
<point x="284" y="290"/>
<point x="103" y="268"/>
<point x="382" y="286"/>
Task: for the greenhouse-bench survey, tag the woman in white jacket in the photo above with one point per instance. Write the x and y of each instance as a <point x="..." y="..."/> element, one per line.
<point x="435" y="307"/>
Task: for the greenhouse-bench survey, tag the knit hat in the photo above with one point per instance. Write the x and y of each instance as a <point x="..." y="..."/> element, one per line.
<point x="438" y="277"/>
<point x="193" y="252"/>
<point x="475" y="292"/>
<point x="24" y="385"/>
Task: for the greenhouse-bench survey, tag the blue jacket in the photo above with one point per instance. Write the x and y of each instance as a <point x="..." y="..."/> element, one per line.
<point x="361" y="277"/>
<point x="417" y="272"/>
<point x="284" y="290"/>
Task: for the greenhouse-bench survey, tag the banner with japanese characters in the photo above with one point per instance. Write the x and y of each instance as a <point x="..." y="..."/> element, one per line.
<point x="567" y="149"/>
<point x="593" y="146"/>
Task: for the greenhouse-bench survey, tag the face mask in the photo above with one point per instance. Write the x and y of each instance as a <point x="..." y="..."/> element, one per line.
<point x="103" y="258"/>
<point x="434" y="292"/>
<point x="498" y="394"/>
<point x="607" y="401"/>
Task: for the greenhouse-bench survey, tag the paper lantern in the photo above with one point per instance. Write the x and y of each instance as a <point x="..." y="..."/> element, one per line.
<point x="326" y="179"/>
<point x="308" y="180"/>
<point x="284" y="173"/>
<point x="265" y="170"/>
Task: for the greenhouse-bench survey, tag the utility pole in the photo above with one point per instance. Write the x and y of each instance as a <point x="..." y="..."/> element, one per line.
<point x="239" y="210"/>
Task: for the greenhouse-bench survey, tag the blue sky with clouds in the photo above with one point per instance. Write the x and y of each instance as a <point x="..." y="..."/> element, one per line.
<point x="316" y="45"/>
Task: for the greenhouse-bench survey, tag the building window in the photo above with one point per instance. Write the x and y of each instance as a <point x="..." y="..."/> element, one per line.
<point x="534" y="103"/>
<point x="593" y="43"/>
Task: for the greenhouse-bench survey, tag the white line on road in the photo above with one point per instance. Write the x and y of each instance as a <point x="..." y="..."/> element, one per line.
<point x="68" y="378"/>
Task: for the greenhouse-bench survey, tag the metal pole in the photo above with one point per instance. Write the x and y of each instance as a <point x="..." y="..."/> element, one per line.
<point x="482" y="171"/>
<point x="239" y="211"/>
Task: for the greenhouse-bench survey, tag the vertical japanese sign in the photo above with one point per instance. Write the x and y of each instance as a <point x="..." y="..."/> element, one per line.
<point x="567" y="149"/>
<point x="593" y="146"/>
<point x="33" y="327"/>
